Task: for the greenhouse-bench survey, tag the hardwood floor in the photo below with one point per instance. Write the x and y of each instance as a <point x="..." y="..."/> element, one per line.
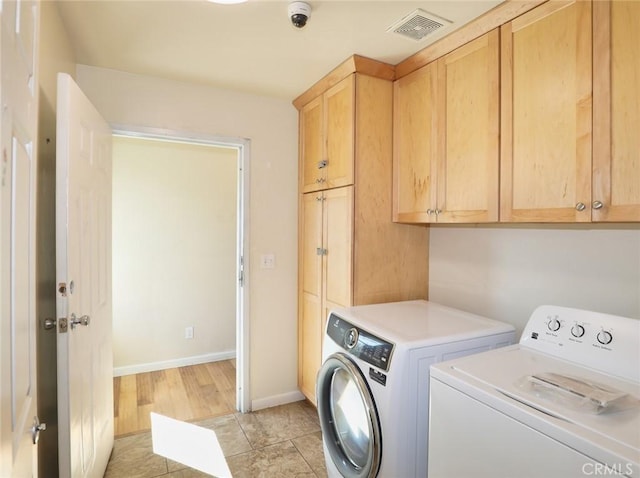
<point x="187" y="393"/>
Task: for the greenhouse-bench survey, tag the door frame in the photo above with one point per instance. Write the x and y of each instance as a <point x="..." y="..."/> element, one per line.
<point x="243" y="147"/>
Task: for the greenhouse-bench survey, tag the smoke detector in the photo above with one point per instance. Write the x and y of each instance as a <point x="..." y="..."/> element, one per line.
<point x="418" y="25"/>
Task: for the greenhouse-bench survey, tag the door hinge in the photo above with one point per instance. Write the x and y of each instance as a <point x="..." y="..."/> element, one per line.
<point x="63" y="325"/>
<point x="62" y="289"/>
<point x="241" y="273"/>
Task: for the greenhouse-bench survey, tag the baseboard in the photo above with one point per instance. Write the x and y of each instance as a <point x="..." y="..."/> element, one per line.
<point x="165" y="364"/>
<point x="276" y="400"/>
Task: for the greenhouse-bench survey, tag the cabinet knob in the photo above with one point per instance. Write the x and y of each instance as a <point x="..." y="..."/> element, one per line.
<point x="597" y="205"/>
<point x="437" y="211"/>
<point x="322" y="164"/>
<point x="430" y="212"/>
<point x="580" y="206"/>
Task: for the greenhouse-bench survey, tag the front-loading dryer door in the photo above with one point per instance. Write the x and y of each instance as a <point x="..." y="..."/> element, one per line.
<point x="348" y="417"/>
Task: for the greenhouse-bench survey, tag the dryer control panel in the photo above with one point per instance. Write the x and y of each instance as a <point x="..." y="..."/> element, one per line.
<point x="359" y="342"/>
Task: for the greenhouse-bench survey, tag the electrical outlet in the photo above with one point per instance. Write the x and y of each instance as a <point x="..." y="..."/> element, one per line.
<point x="188" y="332"/>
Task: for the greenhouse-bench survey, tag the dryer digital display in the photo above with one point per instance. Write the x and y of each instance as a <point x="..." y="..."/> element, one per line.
<point x="360" y="343"/>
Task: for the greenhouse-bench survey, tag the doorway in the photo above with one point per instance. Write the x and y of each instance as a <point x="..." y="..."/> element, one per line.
<point x="179" y="256"/>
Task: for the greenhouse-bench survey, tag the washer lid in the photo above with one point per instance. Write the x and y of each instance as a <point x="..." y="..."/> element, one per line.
<point x="502" y="377"/>
<point x="421" y="323"/>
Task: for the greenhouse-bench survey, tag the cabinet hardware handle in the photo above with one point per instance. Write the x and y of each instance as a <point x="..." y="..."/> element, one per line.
<point x="597" y="205"/>
<point x="322" y="164"/>
<point x="320" y="180"/>
<point x="580" y="206"/>
<point x="319" y="198"/>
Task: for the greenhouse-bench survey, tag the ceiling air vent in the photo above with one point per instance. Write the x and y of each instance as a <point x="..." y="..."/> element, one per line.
<point x="419" y="24"/>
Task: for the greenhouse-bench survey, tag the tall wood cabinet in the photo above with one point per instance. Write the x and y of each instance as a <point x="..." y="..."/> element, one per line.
<point x="446" y="137"/>
<point x="570" y="148"/>
<point x="350" y="251"/>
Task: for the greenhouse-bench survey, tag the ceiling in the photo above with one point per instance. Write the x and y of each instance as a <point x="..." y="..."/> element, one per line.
<point x="250" y="47"/>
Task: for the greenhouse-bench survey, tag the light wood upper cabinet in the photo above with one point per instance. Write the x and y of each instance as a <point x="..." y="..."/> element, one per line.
<point x="326" y="138"/>
<point x="616" y="111"/>
<point x="469" y="162"/>
<point x="546" y="115"/>
<point x="571" y="113"/>
<point x="446" y="137"/>
<point x="311" y="144"/>
<point x="414" y="145"/>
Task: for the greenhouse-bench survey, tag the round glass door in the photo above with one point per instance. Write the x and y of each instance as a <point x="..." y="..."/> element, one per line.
<point x="349" y="421"/>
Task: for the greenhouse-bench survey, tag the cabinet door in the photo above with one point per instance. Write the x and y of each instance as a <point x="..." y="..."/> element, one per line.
<point x="414" y="145"/>
<point x="616" y="111"/>
<point x="311" y="146"/>
<point x="310" y="313"/>
<point x="468" y="104"/>
<point x="338" y="240"/>
<point x="339" y="117"/>
<point x="546" y="114"/>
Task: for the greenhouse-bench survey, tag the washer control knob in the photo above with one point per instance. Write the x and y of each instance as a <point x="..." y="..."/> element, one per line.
<point x="351" y="338"/>
<point x="577" y="330"/>
<point x="605" y="337"/>
<point x="554" y="325"/>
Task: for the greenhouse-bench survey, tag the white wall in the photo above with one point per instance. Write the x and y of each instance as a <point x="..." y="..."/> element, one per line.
<point x="174" y="253"/>
<point x="271" y="125"/>
<point x="505" y="271"/>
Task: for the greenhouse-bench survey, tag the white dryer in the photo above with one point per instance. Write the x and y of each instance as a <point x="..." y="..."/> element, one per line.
<point x="373" y="387"/>
<point x="564" y="402"/>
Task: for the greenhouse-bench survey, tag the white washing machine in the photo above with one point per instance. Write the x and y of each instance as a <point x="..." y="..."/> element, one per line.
<point x="373" y="387"/>
<point x="564" y="402"/>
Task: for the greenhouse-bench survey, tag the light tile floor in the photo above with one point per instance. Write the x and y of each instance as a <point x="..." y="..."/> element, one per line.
<point x="278" y="442"/>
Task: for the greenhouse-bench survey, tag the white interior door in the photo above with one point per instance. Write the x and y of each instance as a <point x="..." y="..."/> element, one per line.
<point x="19" y="100"/>
<point x="83" y="269"/>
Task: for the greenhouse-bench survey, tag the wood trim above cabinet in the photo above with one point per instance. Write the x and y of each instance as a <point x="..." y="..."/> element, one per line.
<point x="354" y="64"/>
